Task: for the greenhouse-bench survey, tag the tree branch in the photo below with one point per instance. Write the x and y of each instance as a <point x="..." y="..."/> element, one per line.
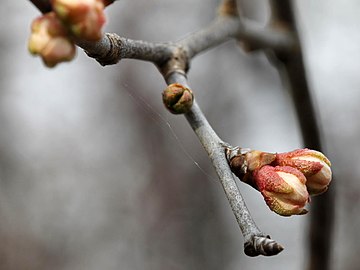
<point x="256" y="243"/>
<point x="220" y="31"/>
<point x="173" y="60"/>
<point x="293" y="69"/>
<point x="111" y="48"/>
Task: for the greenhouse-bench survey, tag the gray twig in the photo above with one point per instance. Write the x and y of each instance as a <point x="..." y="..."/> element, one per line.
<point x="111" y="48"/>
<point x="256" y="242"/>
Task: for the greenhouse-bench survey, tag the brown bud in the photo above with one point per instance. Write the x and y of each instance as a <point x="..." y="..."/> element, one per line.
<point x="257" y="159"/>
<point x="177" y="98"/>
<point x="245" y="163"/>
<point x="238" y="166"/>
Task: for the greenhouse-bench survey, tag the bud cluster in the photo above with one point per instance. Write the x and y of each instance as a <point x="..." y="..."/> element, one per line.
<point x="51" y="33"/>
<point x="286" y="180"/>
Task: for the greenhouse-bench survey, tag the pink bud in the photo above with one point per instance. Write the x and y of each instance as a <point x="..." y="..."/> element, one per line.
<point x="84" y="18"/>
<point x="283" y="189"/>
<point x="49" y="40"/>
<point x="313" y="164"/>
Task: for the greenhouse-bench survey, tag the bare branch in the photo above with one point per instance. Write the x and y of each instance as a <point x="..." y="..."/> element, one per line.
<point x="222" y="30"/>
<point x="260" y="37"/>
<point x="226" y="28"/>
<point x="112" y="48"/>
<point x="256" y="243"/>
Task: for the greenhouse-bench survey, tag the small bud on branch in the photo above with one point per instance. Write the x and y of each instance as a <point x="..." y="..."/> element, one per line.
<point x="177" y="98"/>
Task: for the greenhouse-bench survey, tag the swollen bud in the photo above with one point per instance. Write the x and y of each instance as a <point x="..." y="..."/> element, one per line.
<point x="49" y="40"/>
<point x="313" y="164"/>
<point x="283" y="189"/>
<point x="84" y="18"/>
<point x="286" y="179"/>
<point x="177" y="98"/>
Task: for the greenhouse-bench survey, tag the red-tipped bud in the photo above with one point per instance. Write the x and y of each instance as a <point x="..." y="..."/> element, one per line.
<point x="313" y="164"/>
<point x="84" y="18"/>
<point x="49" y="40"/>
<point x="283" y="189"/>
<point x="177" y="98"/>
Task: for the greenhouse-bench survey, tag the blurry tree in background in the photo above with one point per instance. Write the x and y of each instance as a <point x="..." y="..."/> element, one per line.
<point x="95" y="174"/>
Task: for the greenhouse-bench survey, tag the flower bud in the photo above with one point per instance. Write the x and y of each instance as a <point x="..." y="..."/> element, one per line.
<point x="177" y="98"/>
<point x="313" y="164"/>
<point x="49" y="40"/>
<point x="283" y="189"/>
<point x="84" y="18"/>
<point x="243" y="164"/>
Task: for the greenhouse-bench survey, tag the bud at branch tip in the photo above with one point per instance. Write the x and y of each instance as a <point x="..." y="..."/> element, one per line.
<point x="284" y="179"/>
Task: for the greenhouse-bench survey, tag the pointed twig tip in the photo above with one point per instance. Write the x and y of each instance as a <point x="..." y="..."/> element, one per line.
<point x="261" y="245"/>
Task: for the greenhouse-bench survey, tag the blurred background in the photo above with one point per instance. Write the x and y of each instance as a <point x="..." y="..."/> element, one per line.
<point x="96" y="174"/>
